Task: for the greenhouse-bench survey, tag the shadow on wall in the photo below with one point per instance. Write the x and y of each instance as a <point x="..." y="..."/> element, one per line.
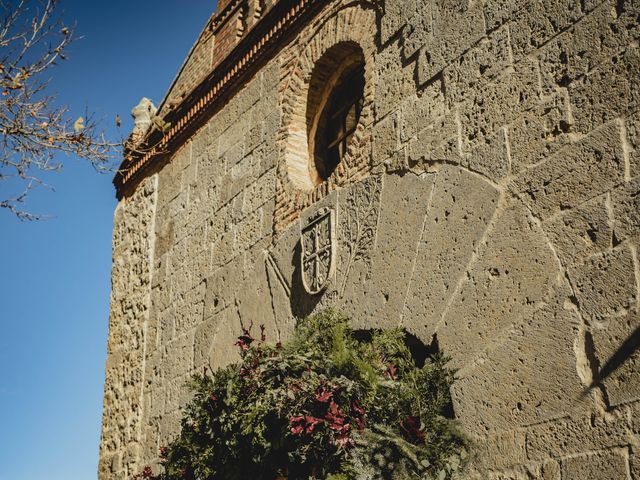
<point x="302" y="303"/>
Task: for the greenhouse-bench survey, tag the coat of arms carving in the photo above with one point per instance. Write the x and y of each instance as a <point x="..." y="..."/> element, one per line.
<point x="318" y="251"/>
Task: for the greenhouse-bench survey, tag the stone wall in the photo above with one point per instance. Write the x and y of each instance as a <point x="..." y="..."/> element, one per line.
<point x="490" y="201"/>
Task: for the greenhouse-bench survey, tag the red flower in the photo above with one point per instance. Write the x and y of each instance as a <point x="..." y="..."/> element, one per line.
<point x="391" y="371"/>
<point x="245" y="340"/>
<point x="335" y="417"/>
<point x="311" y="423"/>
<point x="357" y="408"/>
<point x="213" y="397"/>
<point x="296" y="425"/>
<point x="323" y="395"/>
<point x="360" y="423"/>
<point x="163" y="452"/>
<point x="263" y="337"/>
<point x="411" y="431"/>
<point x="279" y="345"/>
<point x="147" y="473"/>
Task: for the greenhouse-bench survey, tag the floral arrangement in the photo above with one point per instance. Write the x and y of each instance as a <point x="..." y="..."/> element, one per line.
<point x="326" y="405"/>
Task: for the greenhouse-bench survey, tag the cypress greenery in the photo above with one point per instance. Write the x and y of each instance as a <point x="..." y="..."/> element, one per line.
<point x="326" y="405"/>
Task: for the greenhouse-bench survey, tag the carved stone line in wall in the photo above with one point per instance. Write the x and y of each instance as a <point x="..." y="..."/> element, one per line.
<point x="359" y="224"/>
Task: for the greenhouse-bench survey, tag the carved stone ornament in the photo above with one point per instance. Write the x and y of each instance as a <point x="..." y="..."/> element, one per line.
<point x="318" y="243"/>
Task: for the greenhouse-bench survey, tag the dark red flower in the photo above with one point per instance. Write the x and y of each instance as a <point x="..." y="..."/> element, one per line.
<point x="391" y="371"/>
<point x="335" y="417"/>
<point x="311" y="423"/>
<point x="411" y="431"/>
<point x="245" y="340"/>
<point x="357" y="408"/>
<point x="279" y="345"/>
<point x="323" y="395"/>
<point x="263" y="337"/>
<point x="163" y="452"/>
<point x="360" y="423"/>
<point x="147" y="473"/>
<point x="296" y="425"/>
<point x="213" y="397"/>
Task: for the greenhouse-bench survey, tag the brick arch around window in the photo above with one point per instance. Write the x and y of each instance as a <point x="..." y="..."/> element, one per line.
<point x="343" y="38"/>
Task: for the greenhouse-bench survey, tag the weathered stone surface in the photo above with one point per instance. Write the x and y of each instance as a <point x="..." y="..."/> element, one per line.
<point x="403" y="207"/>
<point x="607" y="465"/>
<point x="542" y="383"/>
<point x="623" y="384"/>
<point x="512" y="271"/>
<point x="582" y="231"/>
<point x="569" y="436"/>
<point x="626" y="207"/>
<point x="488" y="201"/>
<point x="459" y="211"/>
<point x="605" y="285"/>
<point x="574" y="174"/>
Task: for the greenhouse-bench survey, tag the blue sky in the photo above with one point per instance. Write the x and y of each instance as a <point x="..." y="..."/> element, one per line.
<point x="55" y="274"/>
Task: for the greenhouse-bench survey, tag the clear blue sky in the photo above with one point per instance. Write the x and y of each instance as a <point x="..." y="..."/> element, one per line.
<point x="55" y="274"/>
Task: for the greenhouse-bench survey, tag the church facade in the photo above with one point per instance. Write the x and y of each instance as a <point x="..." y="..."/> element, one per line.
<point x="468" y="170"/>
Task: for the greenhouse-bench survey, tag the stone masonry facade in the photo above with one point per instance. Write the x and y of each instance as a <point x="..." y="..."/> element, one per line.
<point x="490" y="198"/>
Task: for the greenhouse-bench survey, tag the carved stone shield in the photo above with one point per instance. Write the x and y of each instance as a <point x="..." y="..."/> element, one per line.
<point x="318" y="251"/>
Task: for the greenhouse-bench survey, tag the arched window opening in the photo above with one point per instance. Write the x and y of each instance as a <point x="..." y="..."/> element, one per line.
<point x="338" y="121"/>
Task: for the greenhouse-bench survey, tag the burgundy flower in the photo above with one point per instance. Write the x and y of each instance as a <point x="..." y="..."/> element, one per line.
<point x="335" y="417"/>
<point x="311" y="423"/>
<point x="245" y="340"/>
<point x="360" y="423"/>
<point x="357" y="408"/>
<point x="213" y="397"/>
<point x="279" y="345"/>
<point x="163" y="452"/>
<point x="391" y="371"/>
<point x="147" y="473"/>
<point x="411" y="431"/>
<point x="263" y="337"/>
<point x="323" y="395"/>
<point x="296" y="425"/>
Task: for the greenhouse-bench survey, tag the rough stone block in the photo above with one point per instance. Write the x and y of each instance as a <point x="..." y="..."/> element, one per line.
<point x="539" y="21"/>
<point x="394" y="81"/>
<point x="420" y="110"/>
<point x="609" y="465"/>
<point x="441" y="32"/>
<point x="626" y="206"/>
<point x="490" y="157"/>
<point x="499" y="103"/>
<point x="605" y="285"/>
<point x="438" y="142"/>
<point x="608" y="92"/>
<point x="623" y="384"/>
<point x="385" y="138"/>
<point x="574" y="174"/>
<point x="581" y="231"/>
<point x="395" y="17"/>
<point x="542" y="383"/>
<point x="501" y="450"/>
<point x="403" y="206"/>
<point x="477" y="66"/>
<point x="512" y="271"/>
<point x="539" y="132"/>
<point x="220" y="288"/>
<point x="460" y="208"/>
<point x="569" y="436"/>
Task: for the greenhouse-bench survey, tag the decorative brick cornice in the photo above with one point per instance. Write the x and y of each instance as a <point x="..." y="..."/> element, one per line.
<point x="270" y="33"/>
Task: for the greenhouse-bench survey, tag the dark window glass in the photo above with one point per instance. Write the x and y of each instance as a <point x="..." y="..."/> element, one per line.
<point x="338" y="121"/>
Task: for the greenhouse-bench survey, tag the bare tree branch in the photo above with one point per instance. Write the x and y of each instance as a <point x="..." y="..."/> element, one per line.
<point x="34" y="131"/>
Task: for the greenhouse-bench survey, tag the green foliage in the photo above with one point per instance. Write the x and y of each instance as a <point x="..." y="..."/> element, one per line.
<point x="327" y="405"/>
